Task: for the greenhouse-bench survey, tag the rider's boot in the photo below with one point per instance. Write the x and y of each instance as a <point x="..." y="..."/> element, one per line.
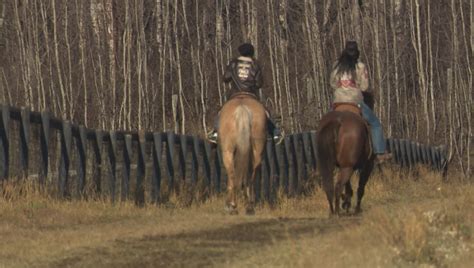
<point x="212" y="136"/>
<point x="277" y="136"/>
<point x="275" y="132"/>
<point x="380" y="158"/>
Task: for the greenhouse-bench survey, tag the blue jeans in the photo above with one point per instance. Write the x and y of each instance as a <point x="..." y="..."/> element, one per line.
<point x="378" y="141"/>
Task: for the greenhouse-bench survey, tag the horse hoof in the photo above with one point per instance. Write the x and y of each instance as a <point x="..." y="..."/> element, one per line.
<point x="358" y="210"/>
<point x="250" y="211"/>
<point x="234" y="212"/>
<point x="346" y="206"/>
<point x="231" y="209"/>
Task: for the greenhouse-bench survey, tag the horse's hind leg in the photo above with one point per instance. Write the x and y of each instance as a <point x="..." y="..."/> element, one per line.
<point x="250" y="184"/>
<point x="250" y="192"/>
<point x="342" y="178"/>
<point x="363" y="178"/>
<point x="228" y="159"/>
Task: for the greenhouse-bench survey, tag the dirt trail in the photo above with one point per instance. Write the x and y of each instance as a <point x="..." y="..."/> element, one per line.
<point x="405" y="223"/>
<point x="202" y="248"/>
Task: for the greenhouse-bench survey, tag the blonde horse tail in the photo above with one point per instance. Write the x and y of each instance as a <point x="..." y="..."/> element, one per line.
<point x="243" y="155"/>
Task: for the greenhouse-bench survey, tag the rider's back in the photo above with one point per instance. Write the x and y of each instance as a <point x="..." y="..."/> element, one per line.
<point x="245" y="75"/>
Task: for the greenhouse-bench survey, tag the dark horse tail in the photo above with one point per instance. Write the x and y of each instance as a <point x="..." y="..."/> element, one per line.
<point x="326" y="146"/>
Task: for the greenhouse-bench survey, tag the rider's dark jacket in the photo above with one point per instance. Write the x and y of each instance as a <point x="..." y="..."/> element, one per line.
<point x="245" y="74"/>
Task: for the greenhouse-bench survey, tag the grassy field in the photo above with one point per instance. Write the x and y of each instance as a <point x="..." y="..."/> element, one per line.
<point x="409" y="220"/>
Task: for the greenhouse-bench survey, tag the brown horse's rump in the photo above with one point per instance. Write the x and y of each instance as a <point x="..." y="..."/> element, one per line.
<point x="343" y="141"/>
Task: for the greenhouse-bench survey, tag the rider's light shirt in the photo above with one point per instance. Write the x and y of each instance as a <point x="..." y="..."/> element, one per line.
<point x="348" y="88"/>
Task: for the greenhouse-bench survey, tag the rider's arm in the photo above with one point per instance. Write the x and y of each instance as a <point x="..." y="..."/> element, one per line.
<point x="228" y="72"/>
<point x="362" y="79"/>
<point x="258" y="77"/>
<point x="334" y="79"/>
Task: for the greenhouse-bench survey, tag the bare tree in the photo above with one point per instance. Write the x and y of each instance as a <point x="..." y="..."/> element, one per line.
<point x="158" y="64"/>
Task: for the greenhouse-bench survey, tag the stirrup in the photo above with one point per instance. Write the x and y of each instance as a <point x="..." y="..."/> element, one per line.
<point x="278" y="138"/>
<point x="212" y="136"/>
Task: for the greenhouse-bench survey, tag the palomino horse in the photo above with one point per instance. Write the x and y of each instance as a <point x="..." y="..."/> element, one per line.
<point x="343" y="141"/>
<point x="242" y="138"/>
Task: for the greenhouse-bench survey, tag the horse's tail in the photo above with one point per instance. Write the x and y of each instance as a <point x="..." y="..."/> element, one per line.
<point x="243" y="155"/>
<point x="326" y="148"/>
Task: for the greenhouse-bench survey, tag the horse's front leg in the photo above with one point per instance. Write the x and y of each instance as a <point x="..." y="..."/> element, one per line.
<point x="341" y="181"/>
<point x="347" y="196"/>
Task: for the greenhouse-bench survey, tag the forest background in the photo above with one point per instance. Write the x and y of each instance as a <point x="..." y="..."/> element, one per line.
<point x="158" y="64"/>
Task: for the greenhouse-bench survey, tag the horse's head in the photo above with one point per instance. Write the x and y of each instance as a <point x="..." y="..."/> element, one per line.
<point x="369" y="99"/>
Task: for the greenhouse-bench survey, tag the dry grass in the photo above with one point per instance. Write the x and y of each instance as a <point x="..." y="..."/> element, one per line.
<point x="409" y="220"/>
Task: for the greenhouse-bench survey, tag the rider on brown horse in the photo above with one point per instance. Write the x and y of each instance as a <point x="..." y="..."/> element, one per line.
<point x="349" y="78"/>
<point x="245" y="75"/>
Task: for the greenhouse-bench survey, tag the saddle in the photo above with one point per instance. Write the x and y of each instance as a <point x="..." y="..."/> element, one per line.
<point x="243" y="94"/>
<point x="347" y="107"/>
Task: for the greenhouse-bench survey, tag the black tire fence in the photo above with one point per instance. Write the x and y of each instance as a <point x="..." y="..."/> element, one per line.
<point x="104" y="160"/>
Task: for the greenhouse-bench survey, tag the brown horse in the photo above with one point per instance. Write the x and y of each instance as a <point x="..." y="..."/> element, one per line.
<point x="343" y="141"/>
<point x="242" y="138"/>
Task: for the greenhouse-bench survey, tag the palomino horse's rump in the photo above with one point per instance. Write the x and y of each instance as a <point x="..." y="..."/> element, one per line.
<point x="242" y="137"/>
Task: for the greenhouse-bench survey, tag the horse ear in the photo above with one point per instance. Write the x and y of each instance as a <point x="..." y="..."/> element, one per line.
<point x="369" y="99"/>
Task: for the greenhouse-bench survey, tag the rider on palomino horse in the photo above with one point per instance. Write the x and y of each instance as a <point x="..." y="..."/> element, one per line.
<point x="246" y="76"/>
<point x="349" y="78"/>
